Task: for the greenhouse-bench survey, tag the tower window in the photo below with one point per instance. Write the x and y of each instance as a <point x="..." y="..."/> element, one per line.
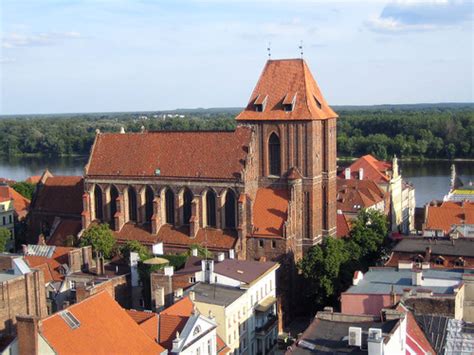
<point x="274" y="154"/>
<point x="169" y="206"/>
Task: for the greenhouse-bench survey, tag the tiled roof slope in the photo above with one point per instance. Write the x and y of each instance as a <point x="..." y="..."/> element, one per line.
<point x="279" y="83"/>
<point x="343" y="228"/>
<point x="416" y="339"/>
<point x="51" y="266"/>
<point x="173" y="319"/>
<point x="60" y="194"/>
<point x="270" y="212"/>
<point x="374" y="169"/>
<point x="353" y="195"/>
<point x="20" y="203"/>
<point x="443" y="216"/>
<point x="105" y="328"/>
<point x="196" y="155"/>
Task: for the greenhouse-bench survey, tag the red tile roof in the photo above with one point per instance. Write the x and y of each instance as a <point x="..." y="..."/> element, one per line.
<point x="172" y="320"/>
<point x="105" y="328"/>
<point x="215" y="239"/>
<point x="183" y="307"/>
<point x="66" y="227"/>
<point x="416" y="339"/>
<point x="221" y="346"/>
<point x="373" y="169"/>
<point x="60" y="195"/>
<point x="270" y="212"/>
<point x="343" y="228"/>
<point x="139" y="316"/>
<point x="50" y="266"/>
<point x="443" y="216"/>
<point x="20" y="203"/>
<point x="196" y="155"/>
<point x="354" y="195"/>
<point x="279" y="82"/>
<point x="33" y="179"/>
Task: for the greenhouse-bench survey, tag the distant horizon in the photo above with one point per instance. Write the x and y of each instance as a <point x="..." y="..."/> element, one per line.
<point x="217" y="108"/>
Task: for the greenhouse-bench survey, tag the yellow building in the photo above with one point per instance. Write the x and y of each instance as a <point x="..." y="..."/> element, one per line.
<point x="7" y="210"/>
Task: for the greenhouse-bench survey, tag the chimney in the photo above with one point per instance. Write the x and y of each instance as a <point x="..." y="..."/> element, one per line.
<point x="122" y="130"/>
<point x="169" y="271"/>
<point x="194" y="252"/>
<point x="375" y="341"/>
<point x="220" y="257"/>
<point x="134" y="257"/>
<point x="192" y="295"/>
<point x="24" y="249"/>
<point x="416" y="278"/>
<point x="347" y="173"/>
<point x="41" y="239"/>
<point x="207" y="267"/>
<point x="27" y="334"/>
<point x="231" y="254"/>
<point x="361" y="173"/>
<point x="358" y="275"/>
<point x="99" y="265"/>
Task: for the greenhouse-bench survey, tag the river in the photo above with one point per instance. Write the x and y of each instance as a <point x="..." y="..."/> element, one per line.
<point x="430" y="178"/>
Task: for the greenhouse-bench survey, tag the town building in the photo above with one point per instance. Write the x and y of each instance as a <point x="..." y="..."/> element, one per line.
<point x="339" y="333"/>
<point x="453" y="219"/>
<point x="265" y="190"/>
<point x="97" y="325"/>
<point x="56" y="209"/>
<point x="425" y="291"/>
<point x="240" y="294"/>
<point x="7" y="213"/>
<point x="388" y="177"/>
<point x="21" y="292"/>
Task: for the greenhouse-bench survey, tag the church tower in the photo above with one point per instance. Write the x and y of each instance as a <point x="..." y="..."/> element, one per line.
<point x="296" y="146"/>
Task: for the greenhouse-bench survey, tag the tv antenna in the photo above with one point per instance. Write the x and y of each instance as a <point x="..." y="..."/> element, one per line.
<point x="269" y="50"/>
<point x="301" y="48"/>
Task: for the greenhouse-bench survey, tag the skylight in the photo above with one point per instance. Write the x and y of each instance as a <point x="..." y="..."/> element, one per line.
<point x="70" y="320"/>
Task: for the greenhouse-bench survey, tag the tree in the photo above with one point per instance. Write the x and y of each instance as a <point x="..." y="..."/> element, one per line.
<point x="135" y="246"/>
<point x="101" y="238"/>
<point x="24" y="188"/>
<point x="5" y="235"/>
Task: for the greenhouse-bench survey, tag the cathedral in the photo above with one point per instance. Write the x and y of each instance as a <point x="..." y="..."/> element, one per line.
<point x="265" y="191"/>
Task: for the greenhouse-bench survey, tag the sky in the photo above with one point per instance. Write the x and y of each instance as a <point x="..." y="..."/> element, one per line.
<point x="60" y="56"/>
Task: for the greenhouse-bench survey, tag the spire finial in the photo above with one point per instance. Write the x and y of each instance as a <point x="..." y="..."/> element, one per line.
<point x="269" y="50"/>
<point x="301" y="49"/>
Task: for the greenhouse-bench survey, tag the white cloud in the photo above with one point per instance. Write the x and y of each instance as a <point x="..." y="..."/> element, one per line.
<point x="16" y="39"/>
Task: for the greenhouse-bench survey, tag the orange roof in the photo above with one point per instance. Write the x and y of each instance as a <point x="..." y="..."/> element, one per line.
<point x="373" y="169"/>
<point x="20" y="203"/>
<point x="183" y="154"/>
<point x="33" y="179"/>
<point x="4" y="194"/>
<point x="343" y="228"/>
<point x="215" y="239"/>
<point x="354" y="195"/>
<point x="139" y="316"/>
<point x="443" y="216"/>
<point x="105" y="328"/>
<point x="222" y="348"/>
<point x="50" y="266"/>
<point x="270" y="212"/>
<point x="65" y="228"/>
<point x="183" y="307"/>
<point x="172" y="320"/>
<point x="150" y="327"/>
<point x="279" y="83"/>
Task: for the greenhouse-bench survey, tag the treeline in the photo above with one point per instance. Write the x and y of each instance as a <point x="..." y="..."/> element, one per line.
<point x="439" y="132"/>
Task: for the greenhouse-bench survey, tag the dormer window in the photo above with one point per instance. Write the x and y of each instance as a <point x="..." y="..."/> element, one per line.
<point x="318" y="103"/>
<point x="289" y="102"/>
<point x="439" y="260"/>
<point x="260" y="103"/>
<point x="459" y="262"/>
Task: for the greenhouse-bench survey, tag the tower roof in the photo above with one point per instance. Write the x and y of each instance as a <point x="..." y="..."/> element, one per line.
<point x="286" y="90"/>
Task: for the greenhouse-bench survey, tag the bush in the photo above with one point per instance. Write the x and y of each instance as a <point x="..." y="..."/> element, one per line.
<point x="101" y="238"/>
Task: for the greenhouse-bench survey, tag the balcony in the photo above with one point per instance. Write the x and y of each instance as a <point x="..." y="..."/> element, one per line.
<point x="270" y="322"/>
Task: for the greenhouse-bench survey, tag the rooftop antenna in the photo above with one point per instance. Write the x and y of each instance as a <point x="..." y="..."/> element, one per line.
<point x="269" y="50"/>
<point x="301" y="49"/>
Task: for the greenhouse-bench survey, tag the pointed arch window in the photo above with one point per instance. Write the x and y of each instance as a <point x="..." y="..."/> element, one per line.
<point x="169" y="206"/>
<point x="98" y="203"/>
<point x="149" y="197"/>
<point x="132" y="204"/>
<point x="230" y="209"/>
<point x="113" y="204"/>
<point x="187" y="205"/>
<point x="211" y="208"/>
<point x="274" y="154"/>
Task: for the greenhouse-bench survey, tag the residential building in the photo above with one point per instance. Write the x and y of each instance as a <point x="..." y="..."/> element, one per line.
<point x="21" y="292"/>
<point x="266" y="189"/>
<point x="97" y="325"/>
<point x="339" y="333"/>
<point x="7" y="213"/>
<point x="56" y="209"/>
<point x="449" y="219"/>
<point x="387" y="176"/>
<point x="424" y="290"/>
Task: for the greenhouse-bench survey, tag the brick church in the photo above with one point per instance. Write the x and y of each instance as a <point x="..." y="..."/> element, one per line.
<point x="266" y="190"/>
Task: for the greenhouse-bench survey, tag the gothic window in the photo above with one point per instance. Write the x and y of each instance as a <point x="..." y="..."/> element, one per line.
<point x="211" y="208"/>
<point x="149" y="197"/>
<point x="98" y="204"/>
<point x="274" y="154"/>
<point x="187" y="205"/>
<point x="132" y="204"/>
<point x="230" y="208"/>
<point x="169" y="206"/>
<point x="113" y="204"/>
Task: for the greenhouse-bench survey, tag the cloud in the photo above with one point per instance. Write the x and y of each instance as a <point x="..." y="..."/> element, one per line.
<point x="413" y="16"/>
<point x="16" y="39"/>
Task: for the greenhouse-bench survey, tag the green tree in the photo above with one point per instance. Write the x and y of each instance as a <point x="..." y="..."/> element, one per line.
<point x="101" y="238"/>
<point x="5" y="235"/>
<point x="24" y="188"/>
<point x="135" y="246"/>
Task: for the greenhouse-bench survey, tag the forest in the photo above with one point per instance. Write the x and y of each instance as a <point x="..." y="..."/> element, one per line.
<point x="412" y="131"/>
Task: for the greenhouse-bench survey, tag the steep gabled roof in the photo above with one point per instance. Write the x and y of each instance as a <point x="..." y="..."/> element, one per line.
<point x="282" y="82"/>
<point x="51" y="265"/>
<point x="20" y="203"/>
<point x="354" y="195"/>
<point x="374" y="169"/>
<point x="416" y="339"/>
<point x="170" y="154"/>
<point x="104" y="328"/>
<point x="443" y="216"/>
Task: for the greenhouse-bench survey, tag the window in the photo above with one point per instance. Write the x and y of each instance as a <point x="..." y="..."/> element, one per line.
<point x="198" y="351"/>
<point x="187" y="205"/>
<point x="113" y="204"/>
<point x="211" y="208"/>
<point x="273" y="244"/>
<point x="274" y="154"/>
<point x="149" y="197"/>
<point x="4" y="220"/>
<point x="98" y="204"/>
<point x="192" y="279"/>
<point x="459" y="262"/>
<point x="230" y="208"/>
<point x="132" y="204"/>
<point x="209" y="347"/>
<point x="197" y="330"/>
<point x="169" y="206"/>
<point x="10" y="219"/>
<point x="260" y="243"/>
<point x="439" y="260"/>
<point x="72" y="285"/>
